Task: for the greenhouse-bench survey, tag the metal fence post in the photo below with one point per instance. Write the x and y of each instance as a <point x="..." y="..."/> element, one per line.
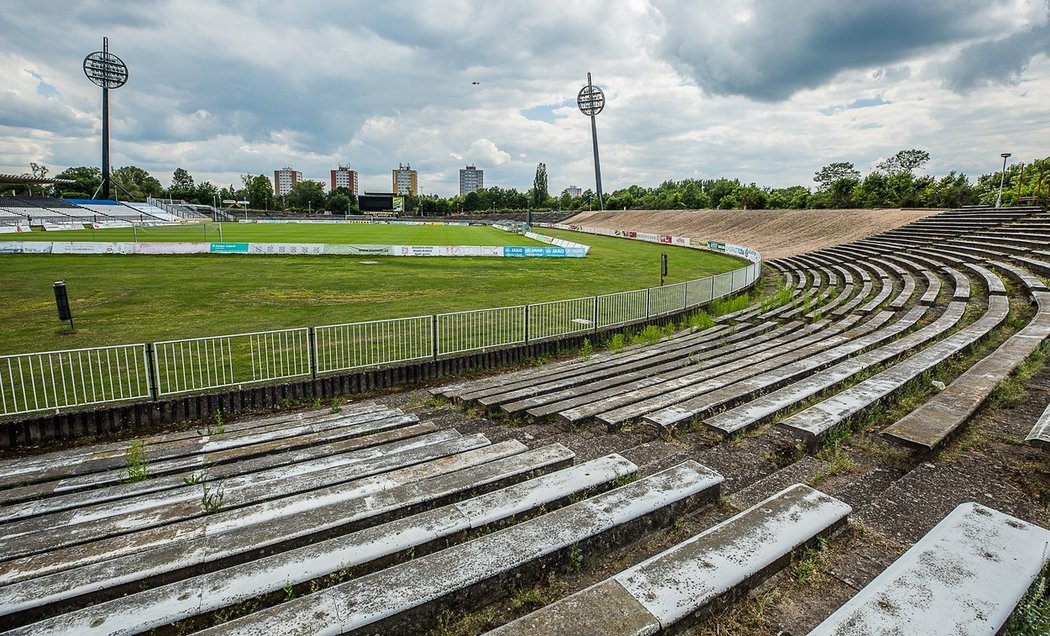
<point x="712" y="279"/>
<point x="648" y="302"/>
<point x="312" y="353"/>
<point x="151" y="377"/>
<point x="527" y="324"/>
<point x="685" y="296"/>
<point x="596" y="315"/>
<point x="434" y="334"/>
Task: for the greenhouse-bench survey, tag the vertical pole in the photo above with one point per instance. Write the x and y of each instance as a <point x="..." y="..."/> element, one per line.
<point x="526" y="324"/>
<point x="595" y="314"/>
<point x="597" y="164"/>
<point x="312" y="348"/>
<point x="151" y="371"/>
<point x="434" y="334"/>
<point x="105" y="126"/>
<point x="1020" y="178"/>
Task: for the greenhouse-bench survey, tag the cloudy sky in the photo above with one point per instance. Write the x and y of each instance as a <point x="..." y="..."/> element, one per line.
<point x="762" y="90"/>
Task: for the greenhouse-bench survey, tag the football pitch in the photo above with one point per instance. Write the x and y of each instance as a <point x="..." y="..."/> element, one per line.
<point x="355" y="233"/>
<point x="127" y="299"/>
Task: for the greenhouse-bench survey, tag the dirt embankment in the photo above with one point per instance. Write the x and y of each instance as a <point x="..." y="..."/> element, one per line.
<point x="774" y="233"/>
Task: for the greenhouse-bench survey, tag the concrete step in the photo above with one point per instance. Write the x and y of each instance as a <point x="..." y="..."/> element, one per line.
<point x="1040" y="434"/>
<point x="963" y="577"/>
<point x="345" y="440"/>
<point x="677" y="586"/>
<point x="765" y="407"/>
<point x="406" y="598"/>
<point x="360" y="551"/>
<point x="817" y="420"/>
<point x="930" y="425"/>
<point x="230" y="532"/>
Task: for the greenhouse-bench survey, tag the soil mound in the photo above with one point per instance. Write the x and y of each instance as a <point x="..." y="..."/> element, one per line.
<point x="774" y="233"/>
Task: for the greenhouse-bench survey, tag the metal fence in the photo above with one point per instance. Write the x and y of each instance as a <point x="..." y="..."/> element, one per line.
<point x="60" y="379"/>
<point x="77" y="377"/>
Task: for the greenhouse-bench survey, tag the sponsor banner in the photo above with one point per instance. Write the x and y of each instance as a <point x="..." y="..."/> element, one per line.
<point x="357" y="250"/>
<point x="14" y="229"/>
<point x="85" y="247"/>
<point x="543" y="252"/>
<point x="704" y="244"/>
<point x="170" y="248"/>
<point x="288" y="249"/>
<point x="228" y="248"/>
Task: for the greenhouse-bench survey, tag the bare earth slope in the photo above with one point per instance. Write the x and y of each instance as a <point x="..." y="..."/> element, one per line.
<point x="774" y="233"/>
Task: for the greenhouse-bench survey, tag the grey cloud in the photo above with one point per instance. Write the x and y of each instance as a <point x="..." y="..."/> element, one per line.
<point x="786" y="47"/>
<point x="998" y="61"/>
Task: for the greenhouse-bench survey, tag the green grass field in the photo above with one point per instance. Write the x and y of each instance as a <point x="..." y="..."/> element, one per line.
<point x="356" y="233"/>
<point x="126" y="299"/>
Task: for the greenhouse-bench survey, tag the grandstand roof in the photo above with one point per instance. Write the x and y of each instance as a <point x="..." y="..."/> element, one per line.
<point x="24" y="179"/>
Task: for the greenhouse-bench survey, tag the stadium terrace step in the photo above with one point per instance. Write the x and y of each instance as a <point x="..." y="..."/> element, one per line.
<point x="963" y="577"/>
<point x="748" y="389"/>
<point x="1039" y="264"/>
<point x="98" y="458"/>
<point x="552" y="399"/>
<point x="930" y="425"/>
<point x="794" y="335"/>
<point x="1040" y="433"/>
<point x="213" y="473"/>
<point x="762" y="408"/>
<point x="405" y="598"/>
<point x="991" y="281"/>
<point x="680" y="348"/>
<point x="683" y="583"/>
<point x="361" y="551"/>
<point x="642" y="403"/>
<point x="815" y="421"/>
<point x="40" y="534"/>
<point x="1030" y="282"/>
<point x="229" y="532"/>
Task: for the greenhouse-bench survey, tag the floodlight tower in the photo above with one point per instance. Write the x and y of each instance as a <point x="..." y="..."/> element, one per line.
<point x="108" y="71"/>
<point x="1002" y="180"/>
<point x="591" y="101"/>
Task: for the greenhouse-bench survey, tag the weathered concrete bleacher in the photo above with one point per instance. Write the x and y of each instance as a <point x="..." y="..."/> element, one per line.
<point x="964" y="577"/>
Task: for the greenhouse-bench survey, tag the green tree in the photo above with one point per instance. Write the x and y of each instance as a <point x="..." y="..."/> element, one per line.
<point x="86" y="180"/>
<point x="752" y="197"/>
<point x="341" y="201"/>
<point x="306" y="195"/>
<point x="905" y="161"/>
<point x="135" y="184"/>
<point x="791" y="198"/>
<point x="829" y="174"/>
<point x="258" y="191"/>
<point x="540" y="194"/>
<point x="206" y="194"/>
<point x="181" y="185"/>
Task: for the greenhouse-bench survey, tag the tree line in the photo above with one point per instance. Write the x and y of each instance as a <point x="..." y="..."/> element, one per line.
<point x="896" y="182"/>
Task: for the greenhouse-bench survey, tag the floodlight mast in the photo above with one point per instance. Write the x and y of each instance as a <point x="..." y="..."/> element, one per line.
<point x="107" y="71"/>
<point x="591" y="101"/>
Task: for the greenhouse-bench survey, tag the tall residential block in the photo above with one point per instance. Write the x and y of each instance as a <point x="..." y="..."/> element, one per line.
<point x="285" y="179"/>
<point x="471" y="179"/>
<point x="405" y="180"/>
<point x="344" y="177"/>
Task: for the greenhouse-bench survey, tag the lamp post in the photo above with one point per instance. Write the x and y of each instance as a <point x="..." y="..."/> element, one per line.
<point x="108" y="72"/>
<point x="1002" y="180"/>
<point x="591" y="101"/>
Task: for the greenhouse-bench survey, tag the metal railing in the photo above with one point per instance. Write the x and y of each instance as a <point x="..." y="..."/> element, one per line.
<point x="76" y="377"/>
<point x="61" y="379"/>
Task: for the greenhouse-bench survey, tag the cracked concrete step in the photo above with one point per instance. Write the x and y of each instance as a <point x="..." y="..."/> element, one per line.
<point x="84" y="526"/>
<point x="342" y="440"/>
<point x="964" y="577"/>
<point x="109" y="458"/>
<point x="405" y="598"/>
<point x="221" y="534"/>
<point x="1040" y="434"/>
<point x="360" y="551"/>
<point x="674" y="353"/>
<point x="815" y="421"/>
<point x="762" y="408"/>
<point x="749" y="339"/>
<point x="644" y="402"/>
<point x="932" y="423"/>
<point x="678" y="585"/>
<point x="747" y="389"/>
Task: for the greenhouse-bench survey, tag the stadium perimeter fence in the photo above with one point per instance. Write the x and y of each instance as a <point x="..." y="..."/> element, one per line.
<point x="55" y="380"/>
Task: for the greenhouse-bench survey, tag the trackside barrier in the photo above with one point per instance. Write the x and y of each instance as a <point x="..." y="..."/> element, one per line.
<point x="54" y="380"/>
<point x="76" y="377"/>
<point x="198" y="364"/>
